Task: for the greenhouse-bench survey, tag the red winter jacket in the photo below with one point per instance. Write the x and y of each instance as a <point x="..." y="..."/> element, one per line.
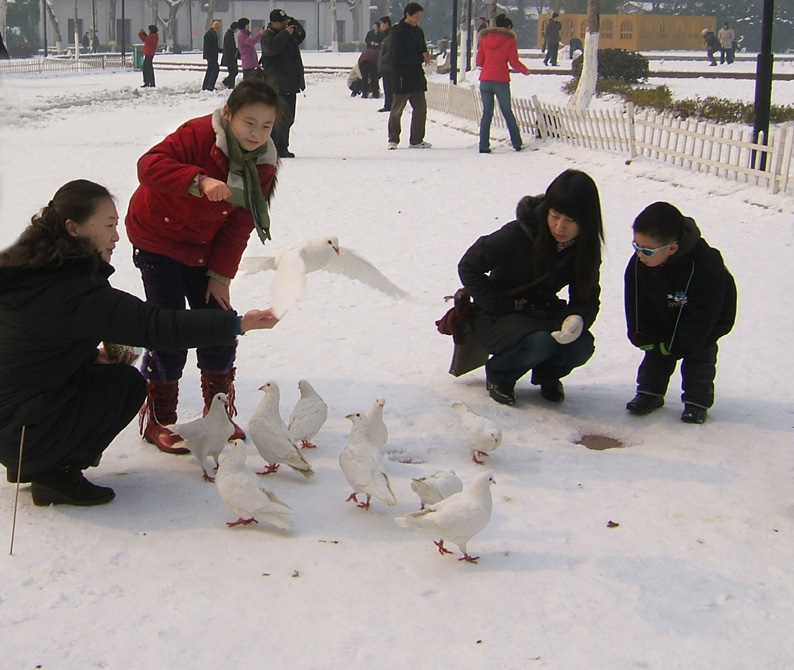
<point x="497" y="48"/>
<point x="149" y="42"/>
<point x="164" y="218"/>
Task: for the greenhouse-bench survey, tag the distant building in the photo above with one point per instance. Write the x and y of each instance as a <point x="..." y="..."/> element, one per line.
<point x="636" y="32"/>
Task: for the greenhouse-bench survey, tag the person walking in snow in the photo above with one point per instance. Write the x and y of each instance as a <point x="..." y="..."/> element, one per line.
<point x="203" y="189"/>
<point x="552" y="37"/>
<point x="497" y="49"/>
<point x="69" y="393"/>
<point x="384" y="63"/>
<point x="679" y="300"/>
<point x="230" y="55"/>
<point x="712" y="45"/>
<point x="149" y="50"/>
<point x="514" y="276"/>
<point x="726" y="36"/>
<point x="210" y="54"/>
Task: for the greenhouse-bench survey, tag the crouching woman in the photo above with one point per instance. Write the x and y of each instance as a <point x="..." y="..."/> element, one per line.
<point x="515" y="275"/>
<point x="56" y="381"/>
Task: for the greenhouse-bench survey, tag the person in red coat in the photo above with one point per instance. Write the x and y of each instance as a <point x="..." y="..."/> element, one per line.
<point x="498" y="48"/>
<point x="203" y="189"/>
<point x="149" y="49"/>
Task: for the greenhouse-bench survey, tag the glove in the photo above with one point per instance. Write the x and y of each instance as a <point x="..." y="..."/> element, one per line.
<point x="571" y="329"/>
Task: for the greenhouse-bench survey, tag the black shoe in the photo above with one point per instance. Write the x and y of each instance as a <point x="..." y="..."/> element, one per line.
<point x="485" y="151"/>
<point x="644" y="403"/>
<point x="694" y="414"/>
<point x="384" y="109"/>
<point x="553" y="391"/>
<point x="67" y="486"/>
<point x="11" y="477"/>
<point x="286" y="154"/>
<point x="502" y="394"/>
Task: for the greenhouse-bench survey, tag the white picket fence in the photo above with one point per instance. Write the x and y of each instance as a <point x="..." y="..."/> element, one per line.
<point x="43" y="65"/>
<point x="695" y="145"/>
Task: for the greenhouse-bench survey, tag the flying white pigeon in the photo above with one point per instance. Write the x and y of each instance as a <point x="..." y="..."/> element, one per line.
<point x="322" y="253"/>
<point x="270" y="435"/>
<point x="244" y="493"/>
<point x="363" y="467"/>
<point x="457" y="518"/>
<point x="482" y="435"/>
<point x="376" y="428"/>
<point x="435" y="488"/>
<point x="308" y="416"/>
<point x="208" y="435"/>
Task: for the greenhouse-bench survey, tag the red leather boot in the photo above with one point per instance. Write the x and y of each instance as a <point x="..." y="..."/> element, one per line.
<point x="212" y="382"/>
<point x="158" y="412"/>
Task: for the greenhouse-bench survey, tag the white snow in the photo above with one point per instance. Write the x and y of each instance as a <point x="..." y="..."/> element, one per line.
<point x="699" y="573"/>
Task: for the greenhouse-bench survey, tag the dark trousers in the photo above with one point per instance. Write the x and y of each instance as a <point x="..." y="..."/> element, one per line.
<point x="726" y="55"/>
<point x="697" y="375"/>
<point x="369" y="80"/>
<point x="540" y="352"/>
<point x="418" y="116"/>
<point x="148" y="71"/>
<point x="95" y="405"/>
<point x="280" y="133"/>
<point x="211" y="76"/>
<point x="551" y="53"/>
<point x="170" y="284"/>
<point x="387" y="90"/>
<point x="229" y="81"/>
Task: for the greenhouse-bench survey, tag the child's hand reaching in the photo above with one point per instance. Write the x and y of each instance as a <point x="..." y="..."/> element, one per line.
<point x="214" y="189"/>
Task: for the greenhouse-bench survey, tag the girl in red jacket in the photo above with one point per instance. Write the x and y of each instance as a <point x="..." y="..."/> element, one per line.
<point x="149" y="49"/>
<point x="498" y="48"/>
<point x="202" y="191"/>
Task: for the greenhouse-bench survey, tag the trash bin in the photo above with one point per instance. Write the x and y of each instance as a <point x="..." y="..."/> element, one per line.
<point x="137" y="56"/>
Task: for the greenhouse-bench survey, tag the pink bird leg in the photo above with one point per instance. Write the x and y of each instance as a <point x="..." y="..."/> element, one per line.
<point x="441" y="548"/>
<point x="241" y="522"/>
<point x="269" y="470"/>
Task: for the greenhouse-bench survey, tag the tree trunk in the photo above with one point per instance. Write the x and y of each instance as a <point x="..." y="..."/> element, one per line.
<point x="358" y="34"/>
<point x="3" y="14"/>
<point x="55" y="26"/>
<point x="585" y="90"/>
<point x="210" y="17"/>
<point x="76" y="33"/>
<point x="112" y="23"/>
<point x="334" y="31"/>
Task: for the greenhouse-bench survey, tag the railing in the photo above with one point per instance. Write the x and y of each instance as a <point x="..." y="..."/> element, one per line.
<point x="700" y="146"/>
<point x="43" y="65"/>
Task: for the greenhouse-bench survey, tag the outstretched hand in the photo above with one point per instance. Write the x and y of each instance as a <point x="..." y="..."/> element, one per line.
<point x="257" y="319"/>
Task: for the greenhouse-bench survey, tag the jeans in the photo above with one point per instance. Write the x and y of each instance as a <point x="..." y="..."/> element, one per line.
<point x="418" y="116"/>
<point x="500" y="89"/>
<point x="539" y="352"/>
<point x="169" y="284"/>
<point x="697" y="375"/>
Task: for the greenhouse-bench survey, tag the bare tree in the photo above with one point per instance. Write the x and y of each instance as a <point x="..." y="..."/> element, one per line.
<point x="358" y="34"/>
<point x="586" y="88"/>
<point x="210" y="15"/>
<point x="169" y="24"/>
<point x="55" y="25"/>
<point x="112" y="22"/>
<point x="3" y="15"/>
<point x="334" y="31"/>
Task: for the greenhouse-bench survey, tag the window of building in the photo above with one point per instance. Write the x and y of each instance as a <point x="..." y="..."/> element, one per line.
<point x="606" y="29"/>
<point x="662" y="30"/>
<point x="626" y="30"/>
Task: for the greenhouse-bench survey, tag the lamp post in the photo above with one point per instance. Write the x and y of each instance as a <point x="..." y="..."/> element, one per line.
<point x="453" y="55"/>
<point x="763" y="81"/>
<point x="123" y="37"/>
<point x="44" y="19"/>
<point x="318" y="24"/>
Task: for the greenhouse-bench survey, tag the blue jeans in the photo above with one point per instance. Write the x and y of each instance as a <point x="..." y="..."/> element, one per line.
<point x="540" y="352"/>
<point x="500" y="89"/>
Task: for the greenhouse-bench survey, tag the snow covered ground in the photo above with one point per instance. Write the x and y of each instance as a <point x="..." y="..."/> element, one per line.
<point x="699" y="571"/>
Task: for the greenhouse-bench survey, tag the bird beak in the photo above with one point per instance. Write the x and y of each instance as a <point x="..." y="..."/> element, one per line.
<point x="262" y="388"/>
<point x="336" y="249"/>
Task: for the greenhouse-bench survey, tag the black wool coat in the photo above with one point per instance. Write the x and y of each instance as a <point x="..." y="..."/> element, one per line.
<point x="51" y="323"/>
<point x="502" y="261"/>
<point x="230" y="54"/>
<point x="281" y="59"/>
<point x="211" y="46"/>
<point x="407" y="50"/>
<point x="687" y="303"/>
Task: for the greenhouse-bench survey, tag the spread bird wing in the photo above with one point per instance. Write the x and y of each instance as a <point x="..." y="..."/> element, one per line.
<point x="253" y="264"/>
<point x="353" y="265"/>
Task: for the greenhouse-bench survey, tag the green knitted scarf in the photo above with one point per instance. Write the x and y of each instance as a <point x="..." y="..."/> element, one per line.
<point x="244" y="184"/>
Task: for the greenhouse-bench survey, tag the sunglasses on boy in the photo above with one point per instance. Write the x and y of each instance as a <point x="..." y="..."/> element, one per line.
<point x="649" y="252"/>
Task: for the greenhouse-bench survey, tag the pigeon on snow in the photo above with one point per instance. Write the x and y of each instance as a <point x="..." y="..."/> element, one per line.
<point x="322" y="253"/>
<point x="457" y="518"/>
<point x="363" y="467"/>
<point x="270" y="435"/>
<point x="308" y="416"/>
<point x="435" y="488"/>
<point x="376" y="428"/>
<point x="208" y="435"/>
<point x="482" y="435"/>
<point x="244" y="493"/>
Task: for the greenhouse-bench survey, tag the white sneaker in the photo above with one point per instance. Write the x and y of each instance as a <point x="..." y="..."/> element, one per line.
<point x="392" y="145"/>
<point x="421" y="145"/>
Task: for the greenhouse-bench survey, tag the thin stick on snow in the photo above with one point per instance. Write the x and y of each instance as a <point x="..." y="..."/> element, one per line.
<point x="16" y="495"/>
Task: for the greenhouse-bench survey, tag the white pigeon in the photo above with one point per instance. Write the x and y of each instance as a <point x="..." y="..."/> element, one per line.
<point x="244" y="493"/>
<point x="482" y="435"/>
<point x="270" y="435"/>
<point x="208" y="435"/>
<point x="308" y="417"/>
<point x="376" y="427"/>
<point x="457" y="518"/>
<point x="363" y="467"/>
<point x="322" y="253"/>
<point x="436" y="487"/>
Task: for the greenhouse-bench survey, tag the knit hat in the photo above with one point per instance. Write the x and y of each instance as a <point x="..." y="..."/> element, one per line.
<point x="278" y="15"/>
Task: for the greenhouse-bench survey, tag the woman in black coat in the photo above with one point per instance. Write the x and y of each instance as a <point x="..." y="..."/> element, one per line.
<point x="514" y="276"/>
<point x="56" y="307"/>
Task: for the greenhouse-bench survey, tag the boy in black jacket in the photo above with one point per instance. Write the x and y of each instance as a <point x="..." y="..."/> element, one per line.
<point x="679" y="299"/>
